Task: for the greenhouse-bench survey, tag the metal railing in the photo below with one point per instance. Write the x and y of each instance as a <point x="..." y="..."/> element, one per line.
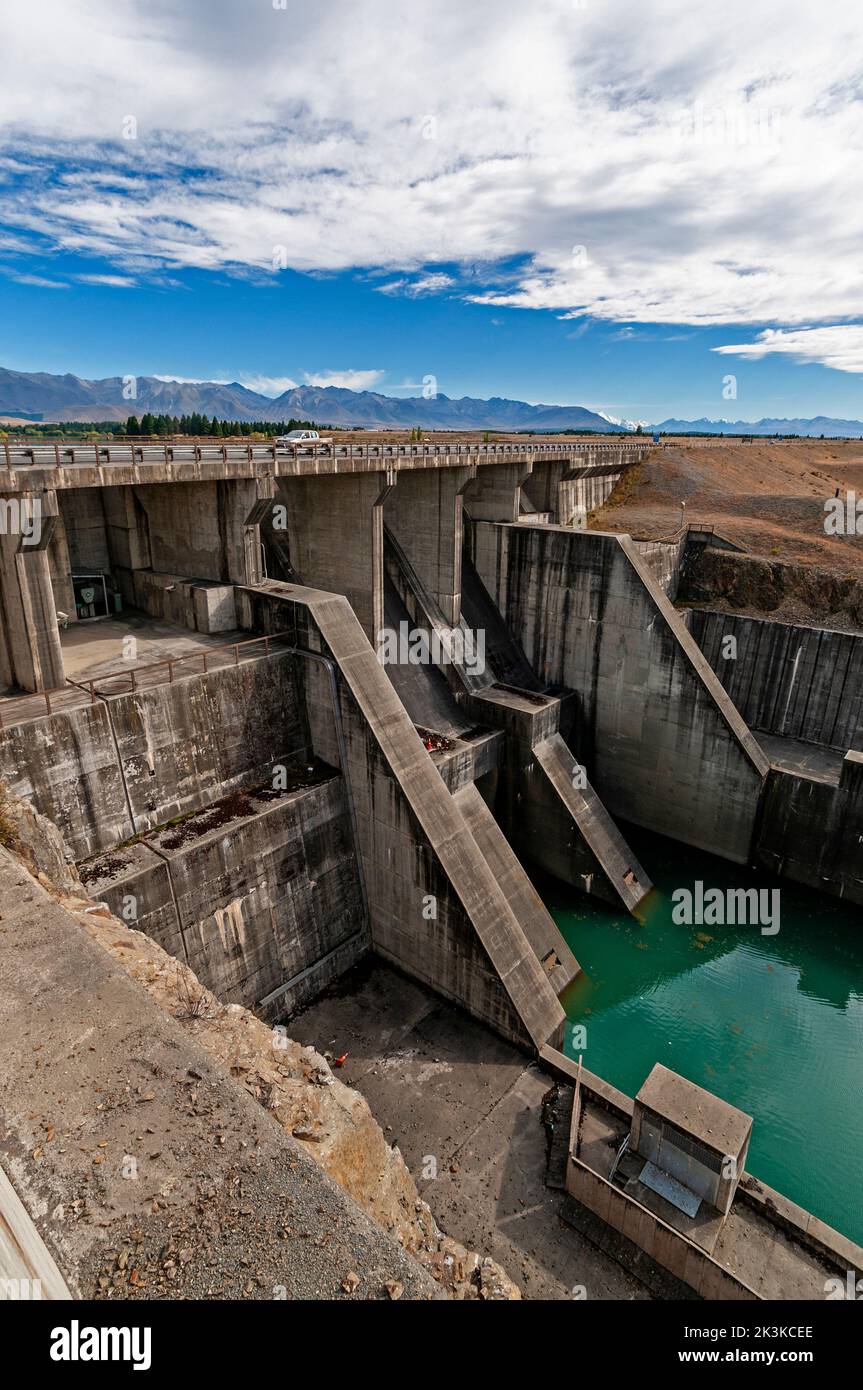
<point x="137" y="677"/>
<point x="18" y="454"/>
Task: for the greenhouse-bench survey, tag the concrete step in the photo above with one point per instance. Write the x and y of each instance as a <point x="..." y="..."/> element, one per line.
<point x="618" y="863"/>
<point x="533" y="917"/>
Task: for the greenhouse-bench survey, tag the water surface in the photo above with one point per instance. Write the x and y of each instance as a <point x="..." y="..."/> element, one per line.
<point x="774" y="1024"/>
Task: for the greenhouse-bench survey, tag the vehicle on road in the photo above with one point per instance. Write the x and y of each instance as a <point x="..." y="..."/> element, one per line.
<point x="301" y="437"/>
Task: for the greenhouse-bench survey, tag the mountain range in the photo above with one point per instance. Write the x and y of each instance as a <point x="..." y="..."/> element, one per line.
<point x="811" y="428"/>
<point x="48" y="397"/>
<point x="51" y="398"/>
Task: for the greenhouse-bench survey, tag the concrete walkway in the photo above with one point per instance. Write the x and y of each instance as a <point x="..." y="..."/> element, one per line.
<point x="460" y="1101"/>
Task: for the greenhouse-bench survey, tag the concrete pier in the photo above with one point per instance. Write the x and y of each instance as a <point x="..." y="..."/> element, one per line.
<point x="29" y="644"/>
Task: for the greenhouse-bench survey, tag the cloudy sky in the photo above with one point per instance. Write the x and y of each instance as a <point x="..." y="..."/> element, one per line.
<point x="617" y="203"/>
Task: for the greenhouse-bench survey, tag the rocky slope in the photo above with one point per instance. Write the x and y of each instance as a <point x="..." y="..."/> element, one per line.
<point x="294" y="1084"/>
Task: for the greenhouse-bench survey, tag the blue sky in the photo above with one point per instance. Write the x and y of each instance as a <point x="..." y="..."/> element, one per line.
<point x="521" y="203"/>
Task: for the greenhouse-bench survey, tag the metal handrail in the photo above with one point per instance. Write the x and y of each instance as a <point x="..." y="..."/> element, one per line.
<point x="134" y="677"/>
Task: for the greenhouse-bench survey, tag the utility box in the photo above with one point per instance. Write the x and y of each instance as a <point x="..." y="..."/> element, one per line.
<point x="688" y="1133"/>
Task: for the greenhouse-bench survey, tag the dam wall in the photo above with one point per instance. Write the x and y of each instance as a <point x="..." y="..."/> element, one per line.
<point x="335" y="534"/>
<point x="812" y="830"/>
<point x="662" y="742"/>
<point x="665" y="561"/>
<point x="258" y="894"/>
<point x="797" y="682"/>
<point x="549" y="811"/>
<point x="568" y="490"/>
<point x="151" y="540"/>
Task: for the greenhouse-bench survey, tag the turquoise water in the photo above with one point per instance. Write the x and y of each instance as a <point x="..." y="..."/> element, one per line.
<point x="774" y="1024"/>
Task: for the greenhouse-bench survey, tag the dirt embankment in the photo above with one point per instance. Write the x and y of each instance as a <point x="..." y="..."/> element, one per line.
<point x="294" y="1084"/>
<point x="748" y="584"/>
<point x="767" y="497"/>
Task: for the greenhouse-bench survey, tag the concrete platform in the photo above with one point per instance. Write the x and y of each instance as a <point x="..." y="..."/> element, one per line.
<point x="810" y="760"/>
<point x="455" y="1096"/>
<point x="96" y="649"/>
<point x="753" y="1243"/>
<point x="96" y="652"/>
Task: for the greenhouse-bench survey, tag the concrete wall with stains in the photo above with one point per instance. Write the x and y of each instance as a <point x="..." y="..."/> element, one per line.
<point x="260" y="895"/>
<point x="798" y="682"/>
<point x="109" y="770"/>
<point x="662" y="742"/>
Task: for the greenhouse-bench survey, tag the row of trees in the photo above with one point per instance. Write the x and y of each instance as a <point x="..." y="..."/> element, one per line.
<point x="195" y="424"/>
<point x="161" y="425"/>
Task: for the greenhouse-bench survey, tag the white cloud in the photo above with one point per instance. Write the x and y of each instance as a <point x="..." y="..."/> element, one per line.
<point x="121" y="282"/>
<point x="671" y="163"/>
<point x="269" y="385"/>
<point x="433" y="283"/>
<point x="40" y="281"/>
<point x="351" y="378"/>
<point x="839" y="346"/>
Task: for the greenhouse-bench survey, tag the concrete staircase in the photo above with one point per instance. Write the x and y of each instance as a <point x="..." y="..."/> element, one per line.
<point x="547" y="814"/>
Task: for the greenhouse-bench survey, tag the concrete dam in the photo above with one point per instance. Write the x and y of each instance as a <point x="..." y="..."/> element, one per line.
<point x="295" y="708"/>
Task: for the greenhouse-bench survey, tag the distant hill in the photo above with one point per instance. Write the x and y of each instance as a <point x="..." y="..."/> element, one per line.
<point x="811" y="429"/>
<point x="47" y="397"/>
<point x="44" y="396"/>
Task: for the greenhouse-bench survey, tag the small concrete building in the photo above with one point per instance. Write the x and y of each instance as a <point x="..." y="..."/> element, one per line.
<point x="691" y="1135"/>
